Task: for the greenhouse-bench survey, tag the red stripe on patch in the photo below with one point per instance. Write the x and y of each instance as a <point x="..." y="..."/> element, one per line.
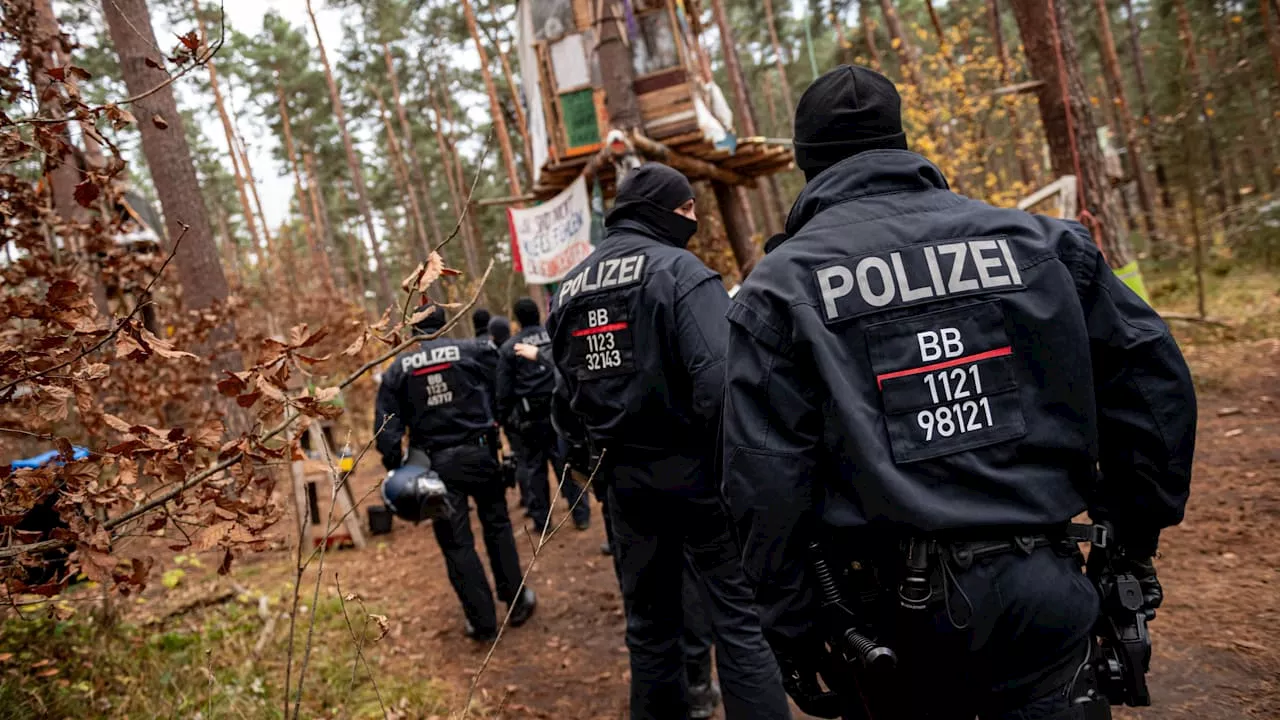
<point x="432" y="369"/>
<point x="998" y="352"/>
<point x="602" y="329"/>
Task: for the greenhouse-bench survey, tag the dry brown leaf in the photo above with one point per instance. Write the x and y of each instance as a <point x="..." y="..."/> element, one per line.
<point x="116" y="423"/>
<point x="354" y="348"/>
<point x="209" y="435"/>
<point x="210" y="536"/>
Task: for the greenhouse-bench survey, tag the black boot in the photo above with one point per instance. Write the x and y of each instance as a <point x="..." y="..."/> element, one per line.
<point x="523" y="607"/>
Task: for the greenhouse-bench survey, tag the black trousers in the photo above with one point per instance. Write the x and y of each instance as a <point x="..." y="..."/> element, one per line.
<point x="652" y="531"/>
<point x="536" y="444"/>
<point x="1021" y="651"/>
<point x="697" y="636"/>
<point x="472" y="472"/>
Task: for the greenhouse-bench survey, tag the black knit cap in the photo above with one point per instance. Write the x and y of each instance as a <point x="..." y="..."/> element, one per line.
<point x="480" y="321"/>
<point x="650" y="184"/>
<point x="849" y="110"/>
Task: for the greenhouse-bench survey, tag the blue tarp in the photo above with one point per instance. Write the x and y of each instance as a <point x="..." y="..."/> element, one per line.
<point x="77" y="453"/>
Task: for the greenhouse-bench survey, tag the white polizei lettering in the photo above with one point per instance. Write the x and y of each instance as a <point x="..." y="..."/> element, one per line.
<point x="909" y="294"/>
<point x="985" y="264"/>
<point x="955" y="284"/>
<point x="587" y="284"/>
<point x="1008" y="261"/>
<point x="637" y="264"/>
<point x="885" y="296"/>
<point x="610" y="273"/>
<point x="445" y="354"/>
<point x="935" y="274"/>
<point x="830" y="290"/>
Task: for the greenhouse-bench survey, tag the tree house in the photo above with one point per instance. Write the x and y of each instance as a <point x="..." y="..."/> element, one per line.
<point x="674" y="111"/>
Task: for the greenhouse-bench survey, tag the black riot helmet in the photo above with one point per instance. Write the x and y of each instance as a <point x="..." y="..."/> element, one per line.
<point x="414" y="493"/>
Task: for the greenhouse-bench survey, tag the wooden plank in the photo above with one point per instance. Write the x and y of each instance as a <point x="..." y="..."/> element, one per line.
<point x="661" y="80"/>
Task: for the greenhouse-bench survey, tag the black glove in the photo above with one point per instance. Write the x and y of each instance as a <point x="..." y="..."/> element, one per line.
<point x="800" y="663"/>
<point x="1145" y="571"/>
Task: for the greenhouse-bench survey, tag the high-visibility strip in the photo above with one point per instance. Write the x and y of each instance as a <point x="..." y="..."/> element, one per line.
<point x="998" y="352"/>
<point x="433" y="369"/>
<point x="602" y="329"/>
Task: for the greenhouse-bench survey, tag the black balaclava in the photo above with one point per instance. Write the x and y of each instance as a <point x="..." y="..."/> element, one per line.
<point x="526" y="312"/>
<point x="480" y="321"/>
<point x="849" y="110"/>
<point x="499" y="330"/>
<point x="430" y="323"/>
<point x="650" y="195"/>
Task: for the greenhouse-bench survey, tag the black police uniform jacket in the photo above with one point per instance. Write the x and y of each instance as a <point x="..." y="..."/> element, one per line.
<point x="441" y="392"/>
<point x="518" y="378"/>
<point x="915" y="361"/>
<point x="638" y="338"/>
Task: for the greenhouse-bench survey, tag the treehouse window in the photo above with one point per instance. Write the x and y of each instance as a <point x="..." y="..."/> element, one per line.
<point x="655" y="47"/>
<point x="569" y="62"/>
<point x="581" y="127"/>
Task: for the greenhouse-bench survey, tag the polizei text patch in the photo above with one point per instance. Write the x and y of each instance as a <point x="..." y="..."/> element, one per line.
<point x="915" y="274"/>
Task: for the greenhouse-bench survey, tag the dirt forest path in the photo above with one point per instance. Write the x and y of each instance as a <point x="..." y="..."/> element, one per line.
<point x="1217" y="640"/>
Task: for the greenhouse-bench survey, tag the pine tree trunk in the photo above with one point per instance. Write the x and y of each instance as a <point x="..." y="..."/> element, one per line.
<point x="453" y="175"/>
<point x="1188" y="37"/>
<point x="787" y="101"/>
<point x="169" y="159"/>
<point x="319" y="257"/>
<point x="1261" y="141"/>
<point x="321" y="210"/>
<point x="385" y="295"/>
<point x="396" y="155"/>
<point x="279" y="255"/>
<point x="1045" y="38"/>
<point x="1025" y="171"/>
<point x="842" y="43"/>
<point x="1115" y="82"/>
<point x="406" y="134"/>
<point x="869" y="34"/>
<point x="616" y="71"/>
<point x="942" y="36"/>
<point x="522" y="122"/>
<point x="771" y="208"/>
<point x="907" y="52"/>
<point x="1148" y="119"/>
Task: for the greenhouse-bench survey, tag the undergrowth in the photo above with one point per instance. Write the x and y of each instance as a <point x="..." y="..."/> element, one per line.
<point x="201" y="666"/>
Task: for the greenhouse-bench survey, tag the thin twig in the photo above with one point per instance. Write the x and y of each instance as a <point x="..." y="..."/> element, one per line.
<point x="475" y="680"/>
<point x="171" y="79"/>
<point x="146" y="292"/>
<point x="359" y="647"/>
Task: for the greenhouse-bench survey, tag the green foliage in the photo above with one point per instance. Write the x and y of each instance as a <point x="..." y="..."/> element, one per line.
<point x="201" y="665"/>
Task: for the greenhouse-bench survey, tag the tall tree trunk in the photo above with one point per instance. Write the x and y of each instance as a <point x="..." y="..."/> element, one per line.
<point x="319" y="257"/>
<point x="1188" y="37"/>
<point x="1025" y="171"/>
<point x="1115" y="81"/>
<point x="169" y="158"/>
<point x="844" y="47"/>
<point x="869" y="34"/>
<point x="522" y="122"/>
<point x="1144" y="95"/>
<point x="942" y="36"/>
<point x="321" y="210"/>
<point x="1046" y="38"/>
<point x="1273" y="35"/>
<point x="772" y="210"/>
<point x="385" y="295"/>
<point x="908" y="54"/>
<point x="406" y="134"/>
<point x="1261" y="140"/>
<point x="613" y="55"/>
<point x="453" y="176"/>
<point x="500" y="128"/>
<point x="402" y="176"/>
<point x="779" y="62"/>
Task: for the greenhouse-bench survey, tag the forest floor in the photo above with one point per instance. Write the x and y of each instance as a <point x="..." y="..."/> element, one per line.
<point x="1217" y="638"/>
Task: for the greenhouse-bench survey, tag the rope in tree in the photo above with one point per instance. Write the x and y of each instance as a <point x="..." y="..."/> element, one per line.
<point x="1085" y="217"/>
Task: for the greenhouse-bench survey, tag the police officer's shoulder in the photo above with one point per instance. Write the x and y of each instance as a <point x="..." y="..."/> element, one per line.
<point x="762" y="307"/>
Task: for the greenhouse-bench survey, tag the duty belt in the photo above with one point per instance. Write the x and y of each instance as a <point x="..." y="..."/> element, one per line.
<point x="964" y="554"/>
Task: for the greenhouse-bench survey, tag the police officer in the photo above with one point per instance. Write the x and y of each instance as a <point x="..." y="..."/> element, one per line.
<point x="439" y="392"/>
<point x="499" y="330"/>
<point x="934" y="386"/>
<point x="638" y="336"/>
<point x="524" y="401"/>
<point x="480" y="323"/>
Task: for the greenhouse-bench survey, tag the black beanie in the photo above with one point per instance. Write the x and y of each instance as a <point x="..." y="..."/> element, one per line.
<point x="526" y="312"/>
<point x="499" y="330"/>
<point x="430" y="323"/>
<point x="480" y="321"/>
<point x="849" y="110"/>
<point x="650" y="195"/>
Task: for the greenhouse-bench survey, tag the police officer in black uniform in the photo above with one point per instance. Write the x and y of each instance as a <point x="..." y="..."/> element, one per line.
<point x="480" y="323"/>
<point x="440" y="392"/>
<point x="638" y="336"/>
<point x="934" y="387"/>
<point x="524" y="401"/>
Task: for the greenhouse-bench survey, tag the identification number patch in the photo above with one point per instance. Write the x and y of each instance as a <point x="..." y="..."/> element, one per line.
<point x="600" y="340"/>
<point x="947" y="381"/>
